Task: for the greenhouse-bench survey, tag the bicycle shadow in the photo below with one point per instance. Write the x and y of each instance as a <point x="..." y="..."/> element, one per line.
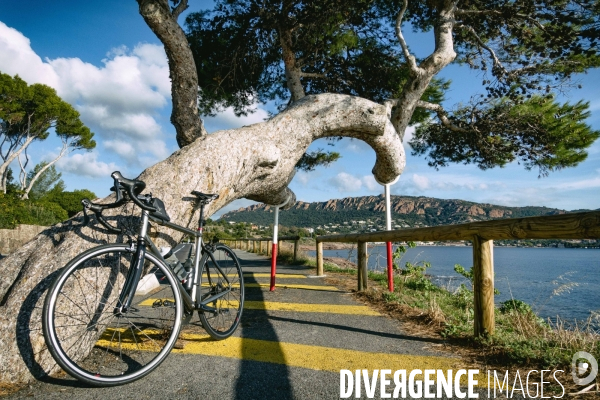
<point x="260" y="380"/>
<point x="28" y="321"/>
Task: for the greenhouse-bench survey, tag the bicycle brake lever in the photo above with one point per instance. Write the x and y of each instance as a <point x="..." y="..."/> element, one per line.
<point x="86" y="218"/>
<point x="117" y="190"/>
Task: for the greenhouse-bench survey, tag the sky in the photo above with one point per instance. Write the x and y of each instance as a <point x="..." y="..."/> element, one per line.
<point x="102" y="58"/>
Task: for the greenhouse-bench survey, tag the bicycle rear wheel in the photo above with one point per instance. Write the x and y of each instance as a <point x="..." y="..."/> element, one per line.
<point x="222" y="273"/>
<point x="93" y="342"/>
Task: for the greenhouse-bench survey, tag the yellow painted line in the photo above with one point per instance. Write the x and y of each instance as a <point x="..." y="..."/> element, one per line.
<point x="294" y="307"/>
<point x="259" y="275"/>
<point x="293" y="286"/>
<point x="303" y="307"/>
<point x="279" y="276"/>
<point x="316" y="357"/>
<point x="294" y="355"/>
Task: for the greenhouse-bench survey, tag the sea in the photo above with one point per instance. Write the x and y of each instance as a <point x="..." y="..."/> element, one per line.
<point x="556" y="282"/>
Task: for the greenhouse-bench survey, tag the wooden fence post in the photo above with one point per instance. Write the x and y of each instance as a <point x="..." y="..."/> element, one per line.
<point x="296" y="249"/>
<point x="362" y="266"/>
<point x="320" y="259"/>
<point x="483" y="286"/>
<point x="269" y="245"/>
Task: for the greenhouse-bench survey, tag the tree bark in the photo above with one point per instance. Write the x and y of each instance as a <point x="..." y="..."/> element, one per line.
<point x="255" y="162"/>
<point x="184" y="87"/>
<point x="292" y="70"/>
<point x="25" y="194"/>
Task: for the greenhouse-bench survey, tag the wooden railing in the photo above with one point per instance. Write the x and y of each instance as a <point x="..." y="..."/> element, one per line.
<point x="244" y="244"/>
<point x="584" y="225"/>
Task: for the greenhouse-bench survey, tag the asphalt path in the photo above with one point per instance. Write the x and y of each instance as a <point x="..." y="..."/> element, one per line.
<point x="291" y="344"/>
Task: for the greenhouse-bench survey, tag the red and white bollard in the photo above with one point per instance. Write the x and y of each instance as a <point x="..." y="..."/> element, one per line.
<point x="274" y="249"/>
<point x="388" y="226"/>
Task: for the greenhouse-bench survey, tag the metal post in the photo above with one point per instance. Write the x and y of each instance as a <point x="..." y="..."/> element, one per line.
<point x="274" y="251"/>
<point x="388" y="223"/>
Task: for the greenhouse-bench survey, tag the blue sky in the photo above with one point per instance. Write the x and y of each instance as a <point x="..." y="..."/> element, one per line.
<point x="101" y="57"/>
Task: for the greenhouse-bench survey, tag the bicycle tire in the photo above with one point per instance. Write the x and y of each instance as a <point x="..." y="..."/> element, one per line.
<point x="93" y="343"/>
<point x="221" y="323"/>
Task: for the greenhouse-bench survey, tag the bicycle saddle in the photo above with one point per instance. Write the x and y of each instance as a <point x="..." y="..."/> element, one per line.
<point x="204" y="196"/>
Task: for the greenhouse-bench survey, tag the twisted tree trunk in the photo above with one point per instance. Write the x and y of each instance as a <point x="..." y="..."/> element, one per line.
<point x="255" y="162"/>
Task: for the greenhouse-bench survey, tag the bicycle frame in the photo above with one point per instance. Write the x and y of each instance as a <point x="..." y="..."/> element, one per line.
<point x="191" y="301"/>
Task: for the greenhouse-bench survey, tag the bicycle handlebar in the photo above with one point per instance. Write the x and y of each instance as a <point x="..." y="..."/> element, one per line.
<point x="97" y="210"/>
<point x="132" y="187"/>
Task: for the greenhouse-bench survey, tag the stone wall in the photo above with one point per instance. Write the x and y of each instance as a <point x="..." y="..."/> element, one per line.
<point x="12" y="239"/>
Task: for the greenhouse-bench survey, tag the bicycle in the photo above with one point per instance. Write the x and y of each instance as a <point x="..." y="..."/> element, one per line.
<point x="96" y="327"/>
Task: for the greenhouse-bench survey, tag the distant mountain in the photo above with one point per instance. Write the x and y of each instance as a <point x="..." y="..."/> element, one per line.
<point x="407" y="211"/>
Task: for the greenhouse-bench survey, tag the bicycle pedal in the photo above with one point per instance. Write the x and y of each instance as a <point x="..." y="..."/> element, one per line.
<point x="157" y="303"/>
<point x="168" y="303"/>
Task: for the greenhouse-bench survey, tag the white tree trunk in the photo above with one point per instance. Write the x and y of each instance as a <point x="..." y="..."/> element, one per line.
<point x="63" y="151"/>
<point x="255" y="162"/>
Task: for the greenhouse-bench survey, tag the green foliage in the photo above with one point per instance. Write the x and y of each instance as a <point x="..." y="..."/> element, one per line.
<point x="47" y="205"/>
<point x="70" y="201"/>
<point x="16" y="211"/>
<point x="462" y="271"/>
<point x="339" y="46"/>
<point x="399" y="252"/>
<point x="311" y="160"/>
<point x="526" y="52"/>
<point x="415" y="276"/>
<point x="518" y="306"/>
<point x="35" y="109"/>
<point x="521" y="48"/>
<point x="49" y="180"/>
<point x="539" y="133"/>
<point x="469" y="275"/>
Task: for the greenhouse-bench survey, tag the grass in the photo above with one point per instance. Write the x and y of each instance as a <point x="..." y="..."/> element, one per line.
<point x="521" y="339"/>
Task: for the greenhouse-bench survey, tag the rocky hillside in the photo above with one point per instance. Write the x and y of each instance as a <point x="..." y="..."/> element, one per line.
<point x="407" y="212"/>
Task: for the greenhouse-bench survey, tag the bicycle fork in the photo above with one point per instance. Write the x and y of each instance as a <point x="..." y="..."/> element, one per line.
<point x="135" y="270"/>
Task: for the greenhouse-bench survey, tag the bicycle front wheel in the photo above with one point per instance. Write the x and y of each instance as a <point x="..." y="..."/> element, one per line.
<point x="94" y="342"/>
<point x="223" y="281"/>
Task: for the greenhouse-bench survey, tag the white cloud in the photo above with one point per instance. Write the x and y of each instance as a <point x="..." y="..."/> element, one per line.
<point x="19" y="58"/>
<point x="345" y="182"/>
<point x="420" y="181"/>
<point x="408" y="134"/>
<point x="118" y="100"/>
<point x="228" y="120"/>
<point x="370" y="183"/>
<point x="580" y="184"/>
<point x="86" y="164"/>
<point x="302" y="177"/>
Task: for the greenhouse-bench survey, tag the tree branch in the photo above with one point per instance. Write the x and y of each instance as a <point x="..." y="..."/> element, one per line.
<point x="312" y="75"/>
<point x="181" y="7"/>
<point x="44" y="168"/>
<point x="184" y="78"/>
<point x="410" y="59"/>
<point x="498" y="13"/>
<point x="441" y="114"/>
<point x="497" y="62"/>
